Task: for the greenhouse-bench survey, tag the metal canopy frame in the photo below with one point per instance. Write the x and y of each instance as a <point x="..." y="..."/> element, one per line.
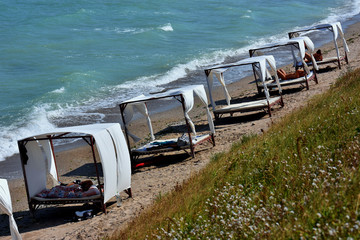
<point x="177" y="97"/>
<point x="90" y="140"/>
<point x="255" y="65"/>
<point x="292" y="44"/>
<point x="322" y="27"/>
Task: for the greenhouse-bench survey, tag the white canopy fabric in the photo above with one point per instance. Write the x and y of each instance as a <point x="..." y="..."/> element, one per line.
<point x="186" y="92"/>
<point x="337" y="31"/>
<point x="300" y="41"/>
<point x="263" y="73"/>
<point x="310" y="46"/>
<point x="129" y="114"/>
<point x="110" y="143"/>
<point x="6" y="207"/>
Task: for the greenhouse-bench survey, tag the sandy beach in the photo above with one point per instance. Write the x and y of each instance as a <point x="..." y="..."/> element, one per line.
<point x="169" y="170"/>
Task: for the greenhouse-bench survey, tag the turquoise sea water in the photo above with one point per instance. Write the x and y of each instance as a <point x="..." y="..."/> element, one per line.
<point x="63" y="61"/>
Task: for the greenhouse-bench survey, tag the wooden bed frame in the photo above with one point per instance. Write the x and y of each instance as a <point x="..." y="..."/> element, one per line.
<point x="36" y="202"/>
<point x="249" y="106"/>
<point x="335" y="60"/>
<point x="146" y="149"/>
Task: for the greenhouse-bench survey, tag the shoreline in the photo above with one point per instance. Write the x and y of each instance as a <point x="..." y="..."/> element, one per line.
<point x="95" y="115"/>
<point x="113" y="114"/>
<point x="156" y="178"/>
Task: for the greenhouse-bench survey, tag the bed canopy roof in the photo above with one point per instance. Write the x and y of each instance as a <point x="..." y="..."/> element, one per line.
<point x="260" y="69"/>
<point x="299" y="43"/>
<point x="38" y="160"/>
<point x="335" y="28"/>
<point x="6" y="207"/>
<point x="184" y="94"/>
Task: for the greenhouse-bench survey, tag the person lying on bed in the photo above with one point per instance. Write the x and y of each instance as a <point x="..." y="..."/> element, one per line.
<point x="285" y="76"/>
<point x="83" y="189"/>
<point x="318" y="56"/>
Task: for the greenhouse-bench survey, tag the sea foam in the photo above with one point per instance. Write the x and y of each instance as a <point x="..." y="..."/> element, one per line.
<point x="167" y="28"/>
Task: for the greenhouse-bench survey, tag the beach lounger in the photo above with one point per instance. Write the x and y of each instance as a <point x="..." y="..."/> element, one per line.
<point x="36" y="202"/>
<point x="298" y="53"/>
<point x="248" y="106"/>
<point x="188" y="141"/>
<point x="38" y="161"/>
<point x="329" y="60"/>
<point x="337" y="33"/>
<point x="260" y="70"/>
<point x="168" y="145"/>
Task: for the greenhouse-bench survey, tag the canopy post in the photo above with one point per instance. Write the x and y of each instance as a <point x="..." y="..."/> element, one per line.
<point x="122" y="109"/>
<point x="307" y="82"/>
<point x="103" y="205"/>
<point x="336" y="46"/>
<point x="337" y="52"/>
<point x="346" y="58"/>
<point x="306" y="78"/>
<point x="188" y="127"/>
<point x="94" y="158"/>
<point x="20" y="144"/>
<point x="257" y="84"/>
<point x="315" y="76"/>
<point x="207" y="73"/>
<point x="269" y="108"/>
<point x="251" y="52"/>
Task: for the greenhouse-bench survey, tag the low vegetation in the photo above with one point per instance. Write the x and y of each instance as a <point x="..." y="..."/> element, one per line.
<point x="298" y="180"/>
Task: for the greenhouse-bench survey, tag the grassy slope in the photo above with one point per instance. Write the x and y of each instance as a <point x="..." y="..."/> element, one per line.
<point x="300" y="179"/>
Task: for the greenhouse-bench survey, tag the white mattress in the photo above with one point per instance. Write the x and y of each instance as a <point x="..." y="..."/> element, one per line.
<point x="247" y="105"/>
<point x="147" y="148"/>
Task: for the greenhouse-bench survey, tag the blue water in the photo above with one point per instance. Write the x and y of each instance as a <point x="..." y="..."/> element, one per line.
<point x="63" y="62"/>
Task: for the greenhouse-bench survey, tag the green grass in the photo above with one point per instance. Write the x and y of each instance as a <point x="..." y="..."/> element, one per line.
<point x="298" y="180"/>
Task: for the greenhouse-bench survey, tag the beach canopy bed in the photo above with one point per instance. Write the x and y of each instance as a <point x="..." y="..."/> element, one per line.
<point x="38" y="162"/>
<point x="6" y="207"/>
<point x="298" y="50"/>
<point x="185" y="96"/>
<point x="262" y="76"/>
<point x="337" y="33"/>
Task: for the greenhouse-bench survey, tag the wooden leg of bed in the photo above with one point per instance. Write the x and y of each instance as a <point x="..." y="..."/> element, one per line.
<point x="259" y="90"/>
<point x="32" y="208"/>
<point x="269" y="110"/>
<point x="128" y="192"/>
<point x="103" y="205"/>
<point x="193" y="152"/>
<point x="315" y="77"/>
